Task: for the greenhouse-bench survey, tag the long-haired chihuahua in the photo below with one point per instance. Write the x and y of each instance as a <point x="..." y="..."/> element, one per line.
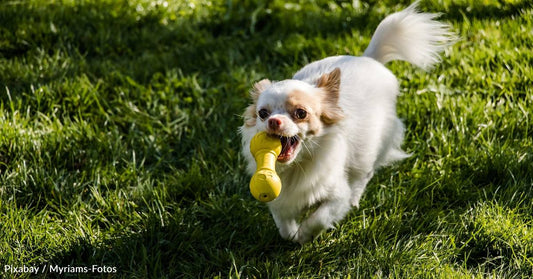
<point x="336" y="120"/>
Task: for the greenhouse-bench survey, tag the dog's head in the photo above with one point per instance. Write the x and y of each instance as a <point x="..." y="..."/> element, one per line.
<point x="294" y="111"/>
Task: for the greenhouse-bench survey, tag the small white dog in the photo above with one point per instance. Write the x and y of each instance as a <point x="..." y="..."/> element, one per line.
<point x="336" y="119"/>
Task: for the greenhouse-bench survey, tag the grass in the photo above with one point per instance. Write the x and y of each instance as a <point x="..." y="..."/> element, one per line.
<point x="118" y="142"/>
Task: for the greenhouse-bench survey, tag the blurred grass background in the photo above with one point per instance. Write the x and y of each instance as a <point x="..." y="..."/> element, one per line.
<point x="119" y="143"/>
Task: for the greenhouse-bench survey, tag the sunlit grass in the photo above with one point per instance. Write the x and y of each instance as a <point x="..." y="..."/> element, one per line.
<point x="119" y="143"/>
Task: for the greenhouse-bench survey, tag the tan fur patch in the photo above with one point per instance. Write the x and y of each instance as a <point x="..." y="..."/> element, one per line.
<point x="250" y="116"/>
<point x="300" y="100"/>
<point x="331" y="81"/>
<point x="258" y="88"/>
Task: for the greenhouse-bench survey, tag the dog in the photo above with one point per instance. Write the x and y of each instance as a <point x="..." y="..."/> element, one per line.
<point x="337" y="123"/>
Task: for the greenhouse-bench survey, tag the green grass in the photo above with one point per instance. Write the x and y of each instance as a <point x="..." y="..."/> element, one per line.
<point x="119" y="143"/>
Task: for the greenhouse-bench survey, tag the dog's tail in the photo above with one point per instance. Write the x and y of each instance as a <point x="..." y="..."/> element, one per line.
<point x="411" y="36"/>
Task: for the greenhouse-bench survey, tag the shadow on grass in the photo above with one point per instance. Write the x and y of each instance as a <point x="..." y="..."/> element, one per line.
<point x="200" y="241"/>
<point x="99" y="38"/>
<point x="229" y="235"/>
<point x="490" y="10"/>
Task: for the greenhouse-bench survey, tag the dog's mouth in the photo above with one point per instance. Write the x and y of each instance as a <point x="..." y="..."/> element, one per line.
<point x="288" y="148"/>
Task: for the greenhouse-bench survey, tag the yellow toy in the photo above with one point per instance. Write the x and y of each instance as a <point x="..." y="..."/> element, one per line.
<point x="265" y="185"/>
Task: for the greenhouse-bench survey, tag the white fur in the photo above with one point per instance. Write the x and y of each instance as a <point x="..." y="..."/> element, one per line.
<point x="332" y="169"/>
<point x="410" y="36"/>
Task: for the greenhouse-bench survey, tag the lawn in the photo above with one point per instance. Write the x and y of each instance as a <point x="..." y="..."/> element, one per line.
<point x="119" y="150"/>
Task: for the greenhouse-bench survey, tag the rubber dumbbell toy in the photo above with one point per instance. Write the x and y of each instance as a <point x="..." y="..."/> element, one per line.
<point x="265" y="184"/>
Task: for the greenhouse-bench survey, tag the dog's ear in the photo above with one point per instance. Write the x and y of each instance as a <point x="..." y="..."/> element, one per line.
<point x="250" y="114"/>
<point x="330" y="84"/>
<point x="258" y="88"/>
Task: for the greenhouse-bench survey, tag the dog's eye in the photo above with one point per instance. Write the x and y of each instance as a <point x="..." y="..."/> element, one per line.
<point x="300" y="114"/>
<point x="263" y="113"/>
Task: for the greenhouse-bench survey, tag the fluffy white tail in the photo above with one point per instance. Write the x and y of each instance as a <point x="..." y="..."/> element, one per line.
<point x="411" y="36"/>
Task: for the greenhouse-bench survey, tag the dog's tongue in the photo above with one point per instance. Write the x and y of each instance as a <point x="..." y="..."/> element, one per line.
<point x="287" y="149"/>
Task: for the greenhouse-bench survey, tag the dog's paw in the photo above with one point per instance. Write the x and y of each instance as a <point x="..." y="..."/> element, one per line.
<point x="303" y="237"/>
<point x="355" y="202"/>
<point x="288" y="231"/>
<point x="307" y="233"/>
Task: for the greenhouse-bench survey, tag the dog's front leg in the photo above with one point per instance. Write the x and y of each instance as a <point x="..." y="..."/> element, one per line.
<point x="326" y="216"/>
<point x="286" y="223"/>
